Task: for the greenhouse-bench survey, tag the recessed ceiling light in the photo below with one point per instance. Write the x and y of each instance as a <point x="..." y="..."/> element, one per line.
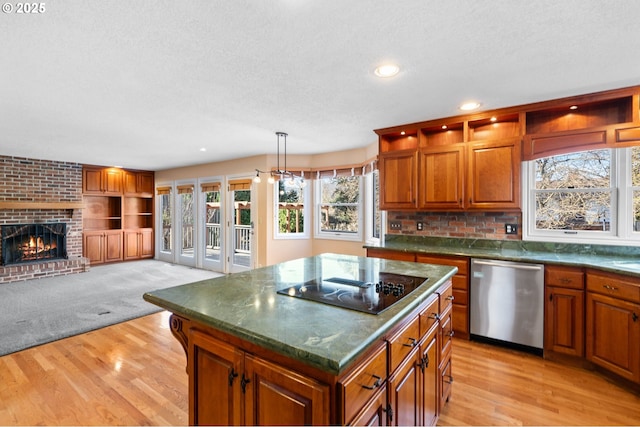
<point x="573" y="107"/>
<point x="203" y="149"/>
<point x="387" y="70"/>
<point x="470" y="105"/>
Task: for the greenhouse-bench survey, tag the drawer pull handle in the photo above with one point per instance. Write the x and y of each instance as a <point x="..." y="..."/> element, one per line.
<point x="610" y="288"/>
<point x="450" y="333"/>
<point x="450" y="298"/>
<point x="412" y="344"/>
<point x="447" y="379"/>
<point x="434" y="316"/>
<point x="375" y="385"/>
<point x="634" y="316"/>
<point x="565" y="281"/>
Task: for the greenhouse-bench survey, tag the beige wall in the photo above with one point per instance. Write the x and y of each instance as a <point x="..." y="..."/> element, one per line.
<point x="269" y="250"/>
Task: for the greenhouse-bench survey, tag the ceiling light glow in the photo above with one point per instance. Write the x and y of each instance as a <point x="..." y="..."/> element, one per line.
<point x="387" y="70"/>
<point x="470" y="105"/>
<point x="573" y="107"/>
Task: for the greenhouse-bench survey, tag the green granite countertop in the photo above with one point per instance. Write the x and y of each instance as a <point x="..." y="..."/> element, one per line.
<point x="615" y="259"/>
<point x="248" y="306"/>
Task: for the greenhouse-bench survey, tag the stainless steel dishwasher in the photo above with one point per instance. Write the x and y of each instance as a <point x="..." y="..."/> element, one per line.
<point x="507" y="302"/>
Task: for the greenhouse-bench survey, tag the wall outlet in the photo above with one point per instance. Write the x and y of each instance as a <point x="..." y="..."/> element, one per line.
<point x="511" y="228"/>
<point x="395" y="225"/>
<point x="420" y="225"/>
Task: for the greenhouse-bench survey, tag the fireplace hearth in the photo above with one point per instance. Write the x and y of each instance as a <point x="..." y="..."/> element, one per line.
<point x="25" y="243"/>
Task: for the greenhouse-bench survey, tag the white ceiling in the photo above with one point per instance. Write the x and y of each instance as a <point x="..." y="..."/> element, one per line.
<point x="147" y="84"/>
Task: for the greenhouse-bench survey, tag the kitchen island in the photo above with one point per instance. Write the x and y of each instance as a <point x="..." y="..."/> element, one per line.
<point x="256" y="356"/>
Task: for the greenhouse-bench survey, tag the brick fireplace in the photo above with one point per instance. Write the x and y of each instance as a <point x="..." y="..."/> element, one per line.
<point x="42" y="192"/>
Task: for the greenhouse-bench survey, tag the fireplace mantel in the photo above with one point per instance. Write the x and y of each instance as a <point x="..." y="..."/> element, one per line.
<point x="41" y="205"/>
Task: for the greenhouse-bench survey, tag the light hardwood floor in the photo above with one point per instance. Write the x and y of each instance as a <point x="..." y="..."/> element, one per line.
<point x="134" y="374"/>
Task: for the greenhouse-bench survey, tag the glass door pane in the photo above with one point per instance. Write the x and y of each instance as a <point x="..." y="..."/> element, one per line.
<point x="165" y="209"/>
<point x="241" y="230"/>
<point x="213" y="232"/>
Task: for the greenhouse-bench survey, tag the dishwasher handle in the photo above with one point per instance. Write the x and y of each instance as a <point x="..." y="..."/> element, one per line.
<point x="508" y="264"/>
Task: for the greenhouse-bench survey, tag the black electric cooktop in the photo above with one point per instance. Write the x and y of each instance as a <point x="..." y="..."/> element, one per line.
<point x="366" y="296"/>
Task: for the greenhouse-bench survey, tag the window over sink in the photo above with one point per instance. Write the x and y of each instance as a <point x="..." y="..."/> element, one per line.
<point x="587" y="196"/>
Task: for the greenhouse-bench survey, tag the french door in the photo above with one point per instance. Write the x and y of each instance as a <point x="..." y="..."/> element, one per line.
<point x="240" y="225"/>
<point x="212" y="247"/>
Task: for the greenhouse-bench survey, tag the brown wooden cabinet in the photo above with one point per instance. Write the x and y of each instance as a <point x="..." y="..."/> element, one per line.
<point x="119" y="211"/>
<point x="231" y="387"/>
<point x="393" y="255"/>
<point x="564" y="310"/>
<point x="103" y="246"/>
<point x="398" y="179"/>
<point x="138" y="243"/>
<point x="460" y="292"/>
<point x="98" y="180"/>
<point x="493" y="177"/>
<point x="139" y="183"/>
<point x="441" y="178"/>
<point x="613" y="323"/>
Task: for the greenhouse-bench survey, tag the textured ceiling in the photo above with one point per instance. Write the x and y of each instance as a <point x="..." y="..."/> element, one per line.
<point x="147" y="84"/>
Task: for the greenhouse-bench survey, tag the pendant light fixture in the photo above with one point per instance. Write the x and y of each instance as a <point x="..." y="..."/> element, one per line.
<point x="278" y="172"/>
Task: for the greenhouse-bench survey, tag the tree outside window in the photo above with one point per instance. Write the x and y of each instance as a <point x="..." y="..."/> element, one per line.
<point x="291" y="206"/>
<point x="339" y="207"/>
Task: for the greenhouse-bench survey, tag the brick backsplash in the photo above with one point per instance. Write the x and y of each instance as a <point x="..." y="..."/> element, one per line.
<point x="32" y="180"/>
<point x="477" y="225"/>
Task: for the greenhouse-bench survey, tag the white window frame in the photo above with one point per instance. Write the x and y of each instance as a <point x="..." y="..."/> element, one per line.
<point x="369" y="209"/>
<point x="621" y="232"/>
<point x="336" y="235"/>
<point x="308" y="222"/>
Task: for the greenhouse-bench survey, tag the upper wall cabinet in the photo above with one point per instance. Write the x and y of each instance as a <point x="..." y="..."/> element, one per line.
<point x="452" y="165"/>
<point x="138" y="183"/>
<point x="582" y="123"/>
<point x="473" y="162"/>
<point x="97" y="180"/>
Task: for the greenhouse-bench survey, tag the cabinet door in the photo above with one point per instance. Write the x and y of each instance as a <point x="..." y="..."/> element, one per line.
<point x="131" y="245"/>
<point x="441" y="180"/>
<point x="93" y="247"/>
<point x="430" y="402"/>
<point x="375" y="412"/>
<point x="398" y="179"/>
<point x="215" y="392"/>
<point x="494" y="175"/>
<point x="278" y="396"/>
<point x="113" y="181"/>
<point x="146" y="243"/>
<point x="91" y="180"/>
<point x="564" y="321"/>
<point x="405" y="386"/>
<point x="613" y="335"/>
<point x="113" y="246"/>
<point x="130" y="183"/>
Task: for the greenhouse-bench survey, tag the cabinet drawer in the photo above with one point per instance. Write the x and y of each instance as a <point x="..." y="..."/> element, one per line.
<point x="446" y="296"/>
<point x="362" y="384"/>
<point x="401" y="344"/>
<point x="564" y="277"/>
<point x="430" y="315"/>
<point x="460" y="296"/>
<point x="460" y="282"/>
<point x="461" y="263"/>
<point x="614" y="285"/>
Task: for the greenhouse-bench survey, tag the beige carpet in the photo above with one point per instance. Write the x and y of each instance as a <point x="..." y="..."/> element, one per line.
<point x="38" y="311"/>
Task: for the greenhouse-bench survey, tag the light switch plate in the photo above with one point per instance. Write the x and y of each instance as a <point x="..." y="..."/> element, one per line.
<point x="395" y="225"/>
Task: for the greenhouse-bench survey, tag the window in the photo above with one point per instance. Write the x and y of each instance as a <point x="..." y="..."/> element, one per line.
<point x="587" y="196"/>
<point x="374" y="216"/>
<point x="338" y="207"/>
<point x="291" y="206"/>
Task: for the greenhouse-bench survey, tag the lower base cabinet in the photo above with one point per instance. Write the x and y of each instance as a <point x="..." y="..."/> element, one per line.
<point x="102" y="246"/>
<point x="398" y="381"/>
<point x="230" y="387"/>
<point x="613" y="323"/>
<point x="138" y="243"/>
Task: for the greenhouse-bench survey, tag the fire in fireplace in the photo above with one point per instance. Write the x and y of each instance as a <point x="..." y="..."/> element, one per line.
<point x="33" y="242"/>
